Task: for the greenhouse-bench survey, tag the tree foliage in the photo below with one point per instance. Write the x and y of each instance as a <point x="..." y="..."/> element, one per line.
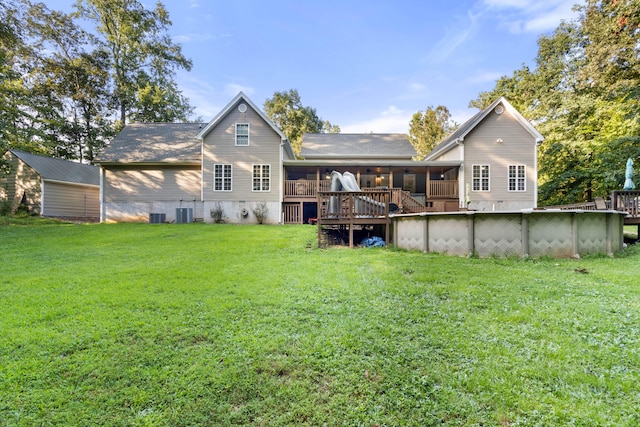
<point x="428" y="127"/>
<point x="286" y="111"/>
<point x="584" y="97"/>
<point x="143" y="58"/>
<point x="60" y="82"/>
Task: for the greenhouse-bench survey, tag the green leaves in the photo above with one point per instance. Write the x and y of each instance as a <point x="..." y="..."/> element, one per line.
<point x="142" y="57"/>
<point x="582" y="96"/>
<point x="428" y="127"/>
<point x="286" y="111"/>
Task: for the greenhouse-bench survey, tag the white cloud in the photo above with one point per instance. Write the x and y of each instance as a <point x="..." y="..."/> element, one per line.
<point x="456" y="35"/>
<point x="200" y="94"/>
<point x="533" y="16"/>
<point x="192" y="37"/>
<point x="392" y="120"/>
<point x="550" y="19"/>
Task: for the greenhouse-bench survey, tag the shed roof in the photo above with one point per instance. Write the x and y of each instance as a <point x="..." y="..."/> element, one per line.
<point x="61" y="170"/>
<point x="356" y="145"/>
<point x="155" y="143"/>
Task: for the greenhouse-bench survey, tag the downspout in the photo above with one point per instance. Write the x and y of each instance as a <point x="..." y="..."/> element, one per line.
<point x="535" y="174"/>
<point x="41" y="196"/>
<point x="281" y="183"/>
<point x="102" y="207"/>
<point x="461" y="181"/>
<point x="202" y="174"/>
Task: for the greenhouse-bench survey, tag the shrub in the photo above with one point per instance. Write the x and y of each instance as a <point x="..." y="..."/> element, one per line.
<point x="5" y="208"/>
<point x="217" y="213"/>
<point x="260" y="211"/>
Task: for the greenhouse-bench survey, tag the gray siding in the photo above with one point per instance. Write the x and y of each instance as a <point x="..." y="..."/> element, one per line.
<point x="517" y="147"/>
<point x="453" y="154"/>
<point x="151" y="184"/>
<point x="67" y="200"/>
<point x="264" y="148"/>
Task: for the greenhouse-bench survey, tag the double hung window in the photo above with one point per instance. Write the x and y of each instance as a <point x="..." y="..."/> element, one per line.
<point x="242" y="134"/>
<point x="261" y="177"/>
<point x="480" y="178"/>
<point x="221" y="177"/>
<point x="517" y="178"/>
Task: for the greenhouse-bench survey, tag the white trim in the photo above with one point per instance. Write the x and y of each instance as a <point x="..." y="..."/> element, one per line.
<point x="202" y="173"/>
<point x="468" y="126"/>
<point x="481" y="178"/>
<point x="262" y="165"/>
<point x="78" y="184"/>
<point x="248" y="135"/>
<point x="516" y="178"/>
<point x="226" y="110"/>
<point x="101" y="196"/>
<point x="41" y="196"/>
<point x="223" y="177"/>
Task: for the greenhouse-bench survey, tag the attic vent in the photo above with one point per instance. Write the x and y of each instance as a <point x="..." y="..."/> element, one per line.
<point x="499" y="109"/>
<point x="242" y="108"/>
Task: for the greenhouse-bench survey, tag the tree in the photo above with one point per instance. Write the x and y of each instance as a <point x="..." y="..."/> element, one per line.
<point x="286" y="111"/>
<point x="428" y="127"/>
<point x="74" y="79"/>
<point x="143" y="58"/>
<point x="13" y="94"/>
<point x="583" y="96"/>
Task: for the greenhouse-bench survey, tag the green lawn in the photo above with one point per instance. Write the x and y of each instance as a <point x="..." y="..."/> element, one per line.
<point x="196" y="324"/>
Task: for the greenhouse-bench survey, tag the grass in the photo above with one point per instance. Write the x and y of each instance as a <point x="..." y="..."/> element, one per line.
<point x="195" y="324"/>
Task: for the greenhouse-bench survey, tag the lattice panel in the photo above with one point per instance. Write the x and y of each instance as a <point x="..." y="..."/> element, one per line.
<point x="550" y="234"/>
<point x="449" y="235"/>
<point x="411" y="234"/>
<point x="591" y="239"/>
<point x="500" y="236"/>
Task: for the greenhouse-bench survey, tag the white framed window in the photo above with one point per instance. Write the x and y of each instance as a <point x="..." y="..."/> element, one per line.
<point x="242" y="133"/>
<point x="222" y="175"/>
<point x="261" y="178"/>
<point x="517" y="178"/>
<point x="481" y="178"/>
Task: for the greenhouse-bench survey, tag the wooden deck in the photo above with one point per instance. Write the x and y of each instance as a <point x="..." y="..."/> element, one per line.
<point x="441" y="197"/>
<point x="346" y="210"/>
<point x="621" y="201"/>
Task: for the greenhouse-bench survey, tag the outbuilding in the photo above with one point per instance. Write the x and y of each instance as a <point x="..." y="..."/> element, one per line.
<point x="50" y="187"/>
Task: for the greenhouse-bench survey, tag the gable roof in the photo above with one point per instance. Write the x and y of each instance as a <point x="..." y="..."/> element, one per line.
<point x="459" y="134"/>
<point x="360" y="145"/>
<point x="155" y="143"/>
<point x="60" y="170"/>
<point x="241" y="96"/>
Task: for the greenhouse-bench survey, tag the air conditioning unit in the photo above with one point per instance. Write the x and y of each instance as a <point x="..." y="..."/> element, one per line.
<point x="184" y="215"/>
<point x="157" y="218"/>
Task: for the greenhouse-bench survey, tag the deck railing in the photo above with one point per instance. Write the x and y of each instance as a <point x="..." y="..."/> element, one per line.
<point x="304" y="187"/>
<point x="353" y="206"/>
<point x="627" y="201"/>
<point x="308" y="188"/>
<point x="443" y="189"/>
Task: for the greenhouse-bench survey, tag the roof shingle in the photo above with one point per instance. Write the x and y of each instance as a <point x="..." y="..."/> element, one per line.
<point x="346" y="145"/>
<point x="61" y="170"/>
<point x="155" y="143"/>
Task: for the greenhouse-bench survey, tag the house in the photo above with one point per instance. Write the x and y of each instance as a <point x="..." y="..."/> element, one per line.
<point x="233" y="163"/>
<point x="241" y="160"/>
<point x="51" y="187"/>
<point x="498" y="150"/>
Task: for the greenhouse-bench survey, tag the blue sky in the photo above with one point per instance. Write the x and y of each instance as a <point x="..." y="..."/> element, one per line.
<point x="364" y="65"/>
